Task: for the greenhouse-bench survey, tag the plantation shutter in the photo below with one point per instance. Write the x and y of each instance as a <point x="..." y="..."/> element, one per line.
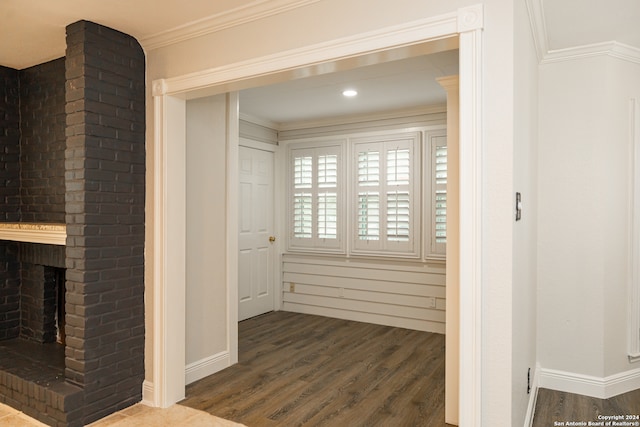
<point x="302" y="196"/>
<point x="369" y="195"/>
<point x="314" y="218"/>
<point x="387" y="195"/>
<point x="438" y="194"/>
<point x="328" y="196"/>
<point x="398" y="194"/>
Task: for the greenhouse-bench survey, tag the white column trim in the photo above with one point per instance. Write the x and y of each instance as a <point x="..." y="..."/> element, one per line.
<point x="158" y="384"/>
<point x="232" y="205"/>
<point x="471" y="194"/>
<point x="451" y="85"/>
<point x="633" y="323"/>
<point x="169" y="248"/>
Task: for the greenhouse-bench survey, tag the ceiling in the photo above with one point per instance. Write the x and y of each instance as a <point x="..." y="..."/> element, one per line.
<point x="37" y="27"/>
<point x="396" y="85"/>
<point x="573" y="23"/>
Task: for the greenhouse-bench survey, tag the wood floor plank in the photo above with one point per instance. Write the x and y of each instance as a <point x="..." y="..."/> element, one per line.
<point x="303" y="370"/>
<point x="560" y="407"/>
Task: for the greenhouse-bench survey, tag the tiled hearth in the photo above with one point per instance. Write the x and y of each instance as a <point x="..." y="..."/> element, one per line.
<point x="135" y="416"/>
<point x="72" y="168"/>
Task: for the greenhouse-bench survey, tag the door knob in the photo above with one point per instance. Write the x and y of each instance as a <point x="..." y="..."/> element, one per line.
<point x="272" y="239"/>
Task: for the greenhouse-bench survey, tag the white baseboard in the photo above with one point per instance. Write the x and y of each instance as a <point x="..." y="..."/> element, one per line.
<point x="533" y="397"/>
<point x="602" y="388"/>
<point x="147" y="393"/>
<point x="623" y="382"/>
<point x="193" y="372"/>
<point x="207" y="366"/>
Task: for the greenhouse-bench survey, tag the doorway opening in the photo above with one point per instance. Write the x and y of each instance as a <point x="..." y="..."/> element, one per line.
<point x="171" y="96"/>
<point x="248" y="218"/>
<point x="398" y="98"/>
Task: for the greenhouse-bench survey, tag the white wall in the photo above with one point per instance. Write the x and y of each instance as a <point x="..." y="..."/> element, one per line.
<point x="583" y="227"/>
<point x="332" y="19"/>
<point x="623" y="83"/>
<point x="573" y="188"/>
<point x="525" y="230"/>
<point x="206" y="302"/>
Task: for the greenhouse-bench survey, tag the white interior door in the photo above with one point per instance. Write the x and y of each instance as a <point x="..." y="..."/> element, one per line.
<point x="256" y="249"/>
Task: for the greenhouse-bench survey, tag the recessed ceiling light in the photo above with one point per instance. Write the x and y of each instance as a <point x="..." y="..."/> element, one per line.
<point x="349" y="93"/>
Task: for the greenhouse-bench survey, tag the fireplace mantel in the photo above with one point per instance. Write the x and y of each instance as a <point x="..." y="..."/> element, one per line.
<point x="47" y="233"/>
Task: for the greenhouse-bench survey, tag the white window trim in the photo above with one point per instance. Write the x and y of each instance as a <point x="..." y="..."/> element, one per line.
<point x="431" y="249"/>
<point x="315" y="244"/>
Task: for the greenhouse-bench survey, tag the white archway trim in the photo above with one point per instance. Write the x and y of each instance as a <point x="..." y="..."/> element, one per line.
<point x="169" y="261"/>
<point x="169" y="220"/>
<point x="232" y="203"/>
<point x="471" y="187"/>
<point x="430" y="29"/>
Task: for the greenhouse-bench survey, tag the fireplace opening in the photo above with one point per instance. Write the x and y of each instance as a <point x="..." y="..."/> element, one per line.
<point x="60" y="305"/>
<point x="42" y="303"/>
<point x="32" y="361"/>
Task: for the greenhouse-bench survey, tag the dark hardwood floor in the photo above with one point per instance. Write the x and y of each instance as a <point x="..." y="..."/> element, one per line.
<point x="303" y="370"/>
<point x="553" y="408"/>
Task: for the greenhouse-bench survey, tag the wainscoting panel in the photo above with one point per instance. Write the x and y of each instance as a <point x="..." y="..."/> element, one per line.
<point x="406" y="294"/>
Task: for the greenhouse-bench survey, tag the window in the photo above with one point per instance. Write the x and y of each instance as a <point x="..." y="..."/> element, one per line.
<point x="436" y="194"/>
<point x="315" y="216"/>
<point x="386" y="195"/>
<point x="380" y="200"/>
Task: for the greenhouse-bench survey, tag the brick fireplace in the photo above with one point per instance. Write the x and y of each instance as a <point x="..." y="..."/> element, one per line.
<point x="72" y="157"/>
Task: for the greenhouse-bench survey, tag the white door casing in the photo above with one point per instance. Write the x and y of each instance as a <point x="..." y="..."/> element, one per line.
<point x="255" y="231"/>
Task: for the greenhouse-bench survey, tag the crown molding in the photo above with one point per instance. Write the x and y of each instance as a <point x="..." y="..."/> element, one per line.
<point x="361" y="118"/>
<point x="611" y="48"/>
<point x="260" y="121"/>
<point x="538" y="27"/>
<point x="547" y="55"/>
<point x="253" y="11"/>
<point x="625" y="52"/>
